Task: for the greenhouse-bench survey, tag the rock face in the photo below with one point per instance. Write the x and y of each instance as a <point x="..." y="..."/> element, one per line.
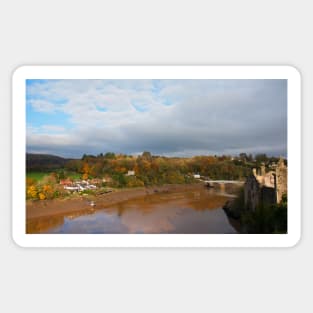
<point x="266" y="188"/>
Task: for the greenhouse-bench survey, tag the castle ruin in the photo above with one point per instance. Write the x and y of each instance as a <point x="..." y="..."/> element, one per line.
<point x="265" y="188"/>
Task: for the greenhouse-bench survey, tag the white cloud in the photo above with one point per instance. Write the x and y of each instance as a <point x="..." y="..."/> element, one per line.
<point x="226" y="116"/>
<point x="43" y="106"/>
<point x="52" y="128"/>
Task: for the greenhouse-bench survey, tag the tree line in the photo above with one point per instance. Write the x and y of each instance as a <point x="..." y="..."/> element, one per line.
<point x="153" y="170"/>
<point x="121" y="170"/>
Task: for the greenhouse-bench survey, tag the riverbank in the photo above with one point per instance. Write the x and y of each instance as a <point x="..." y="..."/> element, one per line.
<point x="81" y="203"/>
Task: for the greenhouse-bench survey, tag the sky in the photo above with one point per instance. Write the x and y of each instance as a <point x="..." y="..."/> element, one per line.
<point x="69" y="117"/>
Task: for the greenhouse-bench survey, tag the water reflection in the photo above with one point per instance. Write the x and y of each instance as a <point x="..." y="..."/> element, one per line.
<point x="41" y="224"/>
<point x="193" y="212"/>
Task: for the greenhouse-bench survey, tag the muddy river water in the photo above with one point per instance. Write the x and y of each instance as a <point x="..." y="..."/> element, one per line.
<point x="183" y="212"/>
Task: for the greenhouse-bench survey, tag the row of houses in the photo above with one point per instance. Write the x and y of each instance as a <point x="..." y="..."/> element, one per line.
<point x="78" y="185"/>
<point x="89" y="184"/>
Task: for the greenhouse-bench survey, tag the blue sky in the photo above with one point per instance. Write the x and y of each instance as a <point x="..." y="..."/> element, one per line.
<point x="167" y="117"/>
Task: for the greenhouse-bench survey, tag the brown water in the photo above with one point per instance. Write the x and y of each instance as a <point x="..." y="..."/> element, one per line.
<point x="194" y="212"/>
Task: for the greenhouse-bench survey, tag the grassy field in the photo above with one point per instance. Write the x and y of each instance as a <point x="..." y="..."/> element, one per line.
<point x="36" y="175"/>
<point x="40" y="175"/>
<point x="74" y="175"/>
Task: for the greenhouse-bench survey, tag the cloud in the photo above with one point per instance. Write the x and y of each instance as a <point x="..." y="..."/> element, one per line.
<point x="43" y="106"/>
<point x="172" y="117"/>
<point x="52" y="129"/>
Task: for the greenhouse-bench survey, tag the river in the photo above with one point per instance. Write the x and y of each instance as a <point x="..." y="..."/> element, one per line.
<point x="198" y="211"/>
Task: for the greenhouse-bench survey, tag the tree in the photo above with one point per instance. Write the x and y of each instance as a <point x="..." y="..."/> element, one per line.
<point x="32" y="192"/>
<point x="85" y="170"/>
<point x="147" y="156"/>
<point x="96" y="169"/>
<point x="74" y="165"/>
<point x="109" y="155"/>
<point x="262" y="157"/>
<point x="243" y="157"/>
<point x="120" y="179"/>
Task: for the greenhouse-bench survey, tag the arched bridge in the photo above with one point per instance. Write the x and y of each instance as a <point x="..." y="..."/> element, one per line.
<point x="222" y="183"/>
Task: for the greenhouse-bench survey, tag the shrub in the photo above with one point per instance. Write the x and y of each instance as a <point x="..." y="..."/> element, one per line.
<point x="132" y="181"/>
<point x="32" y="192"/>
<point x="41" y="196"/>
<point x="48" y="191"/>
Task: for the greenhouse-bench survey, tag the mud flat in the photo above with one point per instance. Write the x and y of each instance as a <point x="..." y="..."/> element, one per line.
<point x="177" y="209"/>
<point x="80" y="203"/>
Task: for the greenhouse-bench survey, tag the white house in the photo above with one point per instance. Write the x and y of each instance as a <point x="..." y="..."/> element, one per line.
<point x="130" y="173"/>
<point x="196" y="176"/>
<point x="71" y="188"/>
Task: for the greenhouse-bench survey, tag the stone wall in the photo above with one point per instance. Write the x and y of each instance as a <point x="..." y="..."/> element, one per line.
<point x="267" y="188"/>
<point x="252" y="193"/>
<point x="281" y="180"/>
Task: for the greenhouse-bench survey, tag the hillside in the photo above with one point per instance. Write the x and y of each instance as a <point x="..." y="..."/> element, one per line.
<point x="44" y="162"/>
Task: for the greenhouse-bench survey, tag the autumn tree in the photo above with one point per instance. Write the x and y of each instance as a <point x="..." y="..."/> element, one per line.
<point x="85" y="170"/>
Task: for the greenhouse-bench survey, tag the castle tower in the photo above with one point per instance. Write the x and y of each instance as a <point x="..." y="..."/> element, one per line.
<point x="262" y="169"/>
<point x="281" y="179"/>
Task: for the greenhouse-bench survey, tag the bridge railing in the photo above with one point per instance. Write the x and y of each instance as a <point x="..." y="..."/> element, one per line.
<point x="223" y="181"/>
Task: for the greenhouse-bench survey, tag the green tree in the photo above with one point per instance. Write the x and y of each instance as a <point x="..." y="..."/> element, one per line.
<point x="109" y="155"/>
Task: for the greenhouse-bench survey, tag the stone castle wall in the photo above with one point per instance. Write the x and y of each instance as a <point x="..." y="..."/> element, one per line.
<point x="281" y="180"/>
<point x="267" y="188"/>
<point x="252" y="193"/>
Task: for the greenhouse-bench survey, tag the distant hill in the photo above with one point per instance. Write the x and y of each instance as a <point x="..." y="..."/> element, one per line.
<point x="44" y="162"/>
